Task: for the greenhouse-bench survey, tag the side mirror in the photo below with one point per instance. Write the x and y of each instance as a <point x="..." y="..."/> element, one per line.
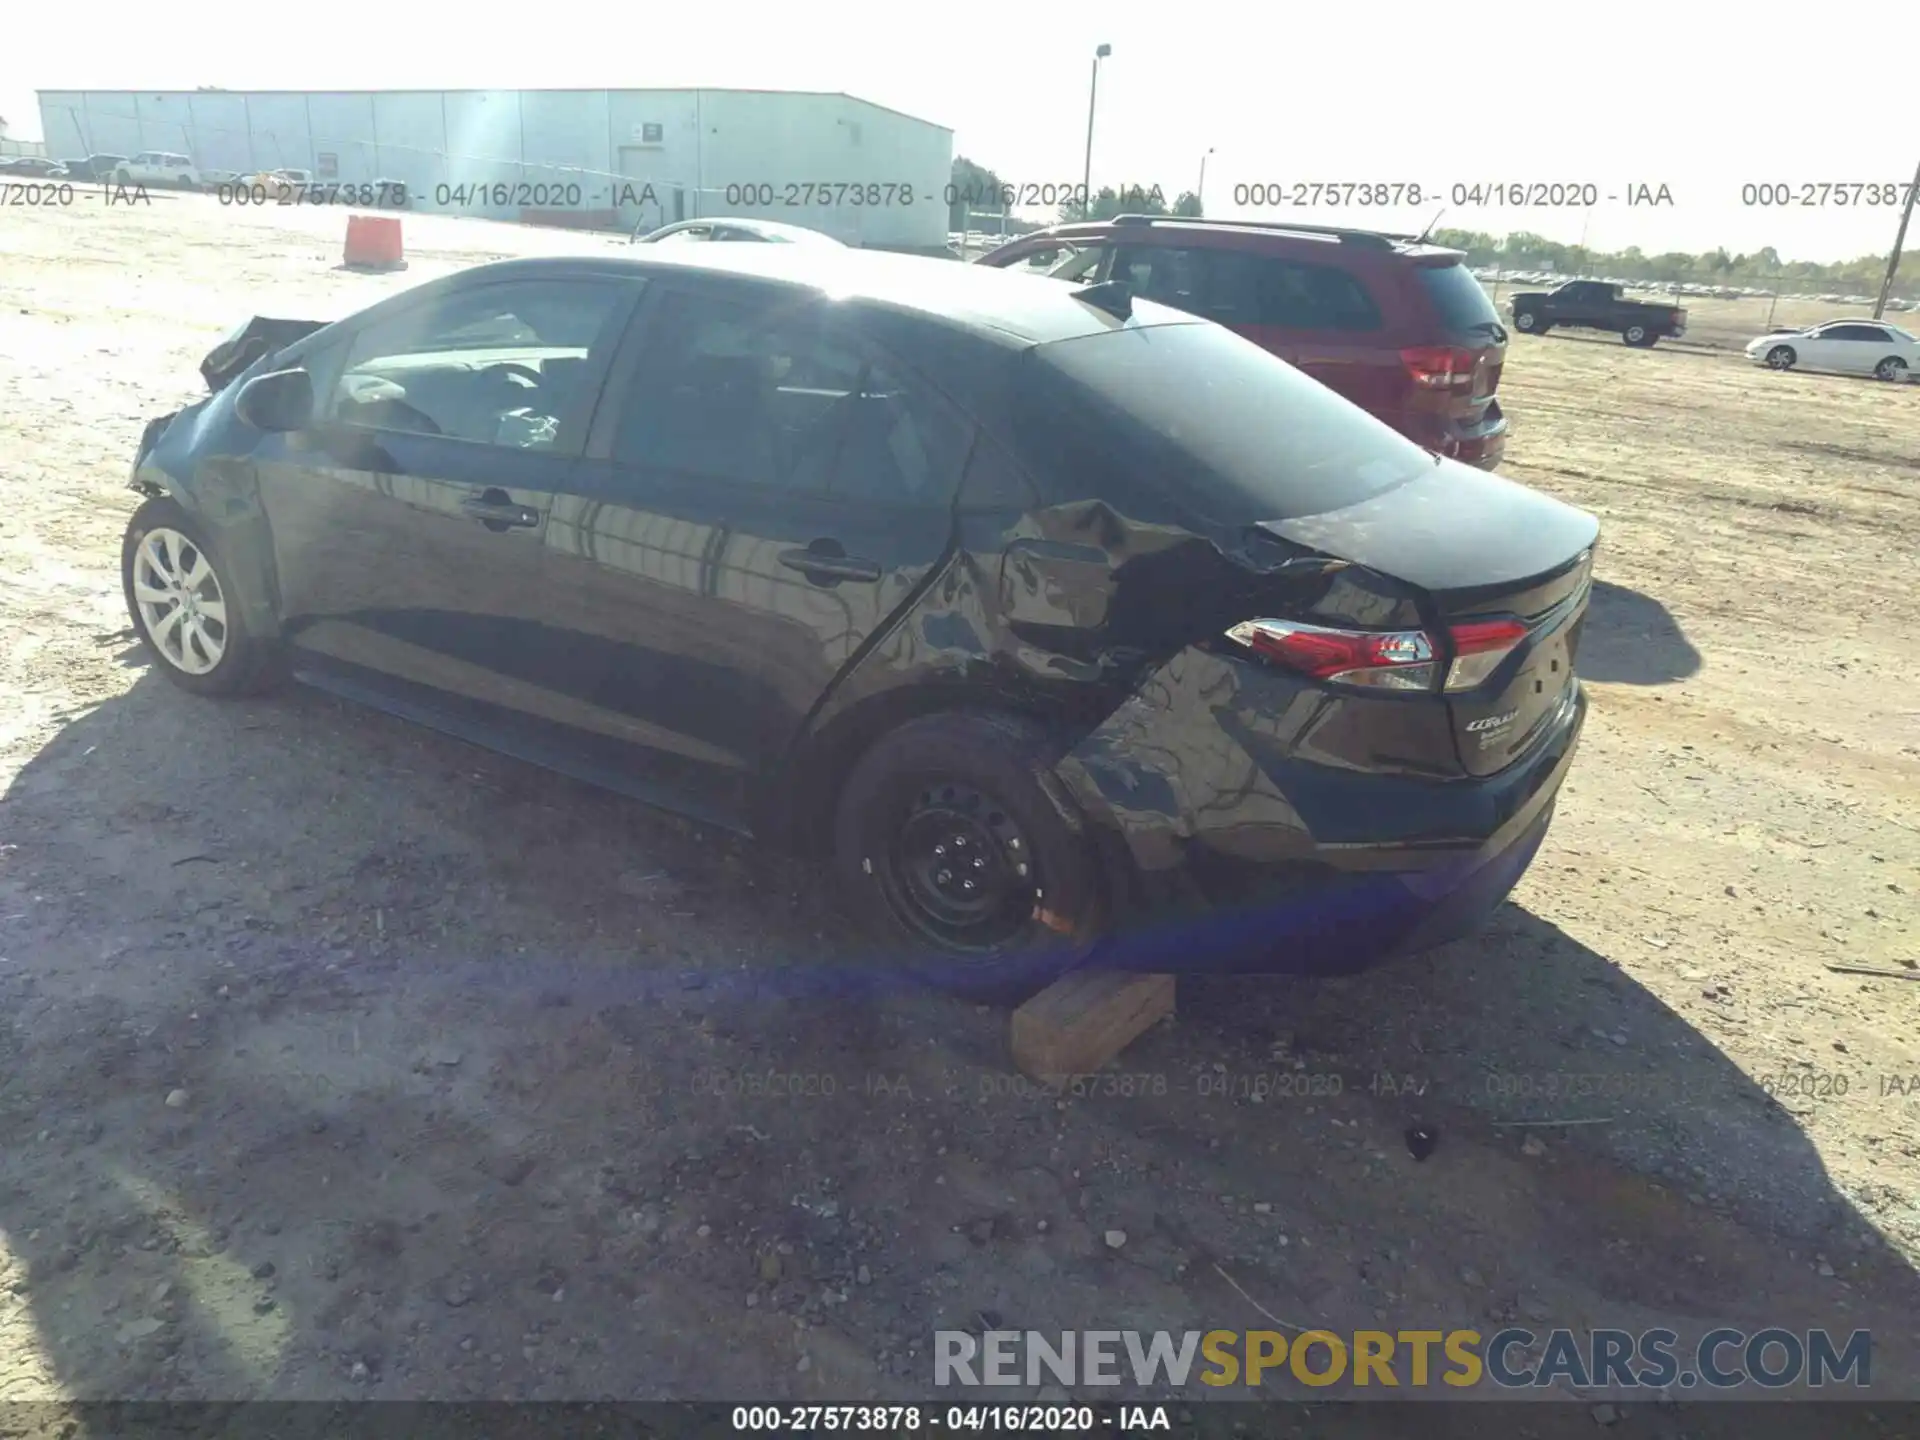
<point x="281" y="400"/>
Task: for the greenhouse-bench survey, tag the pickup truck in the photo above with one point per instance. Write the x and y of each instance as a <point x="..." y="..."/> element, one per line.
<point x="158" y="167"/>
<point x="1596" y="305"/>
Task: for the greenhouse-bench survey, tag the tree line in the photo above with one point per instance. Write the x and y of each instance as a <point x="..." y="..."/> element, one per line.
<point x="1764" y="268"/>
<point x="1520" y="250"/>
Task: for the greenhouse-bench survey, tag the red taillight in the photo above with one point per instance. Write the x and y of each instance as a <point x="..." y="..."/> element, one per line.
<point x="1382" y="659"/>
<point x="1439" y="367"/>
<point x="1478" y="648"/>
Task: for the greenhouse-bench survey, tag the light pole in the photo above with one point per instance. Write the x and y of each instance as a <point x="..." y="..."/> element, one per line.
<point x="1899" y="239"/>
<point x="1200" y="193"/>
<point x="1093" y="92"/>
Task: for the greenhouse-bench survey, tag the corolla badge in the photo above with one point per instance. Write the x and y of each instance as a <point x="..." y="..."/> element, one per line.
<point x="1492" y="722"/>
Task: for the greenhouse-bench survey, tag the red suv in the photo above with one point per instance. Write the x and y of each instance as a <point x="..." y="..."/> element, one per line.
<point x="1399" y="327"/>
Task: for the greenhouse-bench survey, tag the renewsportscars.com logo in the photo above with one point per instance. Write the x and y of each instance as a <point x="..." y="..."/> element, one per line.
<point x="1508" y="1359"/>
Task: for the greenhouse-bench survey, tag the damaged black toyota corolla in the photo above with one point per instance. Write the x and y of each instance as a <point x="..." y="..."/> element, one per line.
<point x="1072" y="626"/>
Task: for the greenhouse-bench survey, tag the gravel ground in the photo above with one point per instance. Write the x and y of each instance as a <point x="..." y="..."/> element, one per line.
<point x="340" y="1059"/>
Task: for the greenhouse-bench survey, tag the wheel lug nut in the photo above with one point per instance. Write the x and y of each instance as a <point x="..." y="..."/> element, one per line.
<point x="978" y="863"/>
<point x="939" y="849"/>
<point x="945" y="877"/>
<point x="967" y="885"/>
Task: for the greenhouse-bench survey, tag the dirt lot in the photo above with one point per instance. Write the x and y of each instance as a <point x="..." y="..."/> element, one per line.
<point x="339" y="1059"/>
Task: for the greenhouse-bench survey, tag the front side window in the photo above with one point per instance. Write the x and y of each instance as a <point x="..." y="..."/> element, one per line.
<point x="500" y="364"/>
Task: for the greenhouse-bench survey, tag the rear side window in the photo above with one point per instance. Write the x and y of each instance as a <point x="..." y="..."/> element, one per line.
<point x="1195" y="420"/>
<point x="1293" y="295"/>
<point x="1457" y="297"/>
<point x="768" y="395"/>
<point x="1236" y="288"/>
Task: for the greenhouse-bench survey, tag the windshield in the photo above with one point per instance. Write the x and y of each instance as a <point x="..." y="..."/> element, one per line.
<point x="1195" y="414"/>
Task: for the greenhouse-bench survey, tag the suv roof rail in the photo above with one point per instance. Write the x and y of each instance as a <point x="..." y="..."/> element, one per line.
<point x="1371" y="239"/>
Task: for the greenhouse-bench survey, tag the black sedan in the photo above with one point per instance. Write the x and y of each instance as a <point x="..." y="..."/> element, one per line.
<point x="34" y="166"/>
<point x="1072" y="626"/>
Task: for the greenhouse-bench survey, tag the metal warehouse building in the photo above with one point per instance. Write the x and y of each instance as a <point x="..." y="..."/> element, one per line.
<point x="859" y="171"/>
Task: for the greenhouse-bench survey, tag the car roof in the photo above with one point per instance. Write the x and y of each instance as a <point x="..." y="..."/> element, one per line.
<point x="1252" y="233"/>
<point x="743" y="222"/>
<point x="1023" y="310"/>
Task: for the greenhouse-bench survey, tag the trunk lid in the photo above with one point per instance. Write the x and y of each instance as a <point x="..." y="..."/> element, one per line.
<point x="1478" y="548"/>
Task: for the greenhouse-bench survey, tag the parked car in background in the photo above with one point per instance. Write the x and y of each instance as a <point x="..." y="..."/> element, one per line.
<point x="733" y="228"/>
<point x="1399" y="327"/>
<point x="1846" y="347"/>
<point x="98" y="168"/>
<point x="216" y="179"/>
<point x="159" y="168"/>
<point x="36" y="167"/>
<point x="1052" y="615"/>
<point x="1597" y="305"/>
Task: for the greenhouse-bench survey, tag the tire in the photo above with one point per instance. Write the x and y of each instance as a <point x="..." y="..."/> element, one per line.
<point x="1892" y="368"/>
<point x="1526" y="322"/>
<point x="209" y="652"/>
<point x="1639" y="336"/>
<point x="967" y="787"/>
<point x="1781" y="357"/>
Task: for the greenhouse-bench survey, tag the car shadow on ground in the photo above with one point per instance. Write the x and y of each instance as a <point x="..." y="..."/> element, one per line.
<point x="346" y="1060"/>
<point x="1632" y="639"/>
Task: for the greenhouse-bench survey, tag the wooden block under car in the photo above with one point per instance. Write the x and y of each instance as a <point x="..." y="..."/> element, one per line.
<point x="1081" y="1021"/>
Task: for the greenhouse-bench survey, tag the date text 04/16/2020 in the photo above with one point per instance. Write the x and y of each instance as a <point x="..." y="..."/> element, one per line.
<point x="1478" y="194"/>
<point x="1067" y="1419"/>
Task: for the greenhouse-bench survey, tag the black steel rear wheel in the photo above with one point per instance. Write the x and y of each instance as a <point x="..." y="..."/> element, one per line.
<point x="959" y="871"/>
<point x="964" y="859"/>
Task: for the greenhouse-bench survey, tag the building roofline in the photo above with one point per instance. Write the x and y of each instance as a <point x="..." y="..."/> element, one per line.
<point x="505" y="90"/>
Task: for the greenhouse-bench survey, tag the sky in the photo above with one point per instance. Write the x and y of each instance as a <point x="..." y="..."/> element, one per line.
<point x="1419" y="94"/>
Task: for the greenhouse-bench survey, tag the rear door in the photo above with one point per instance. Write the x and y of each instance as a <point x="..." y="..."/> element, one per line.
<point x="1858" y="348"/>
<point x="763" y="491"/>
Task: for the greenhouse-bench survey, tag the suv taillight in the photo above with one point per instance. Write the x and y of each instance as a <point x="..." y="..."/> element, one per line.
<point x="1382" y="659"/>
<point x="1439" y="367"/>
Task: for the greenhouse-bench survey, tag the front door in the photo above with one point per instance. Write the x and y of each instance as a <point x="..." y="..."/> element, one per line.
<point x="408" y="523"/>
<point x="763" y="491"/>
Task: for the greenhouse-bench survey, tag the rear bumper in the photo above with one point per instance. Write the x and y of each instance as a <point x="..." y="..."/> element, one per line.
<point x="1231" y="858"/>
<point x="1481" y="443"/>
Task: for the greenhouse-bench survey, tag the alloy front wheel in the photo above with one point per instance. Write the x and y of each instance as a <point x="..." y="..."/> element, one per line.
<point x="181" y="598"/>
<point x="180" y="603"/>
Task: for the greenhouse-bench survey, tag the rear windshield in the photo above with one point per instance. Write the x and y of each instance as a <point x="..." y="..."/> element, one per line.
<point x="1195" y="417"/>
<point x="1457" y="297"/>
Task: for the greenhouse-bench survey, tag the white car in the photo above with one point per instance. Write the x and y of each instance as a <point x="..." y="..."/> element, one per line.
<point x="158" y="167"/>
<point x="1848" y="347"/>
<point x="706" y="231"/>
